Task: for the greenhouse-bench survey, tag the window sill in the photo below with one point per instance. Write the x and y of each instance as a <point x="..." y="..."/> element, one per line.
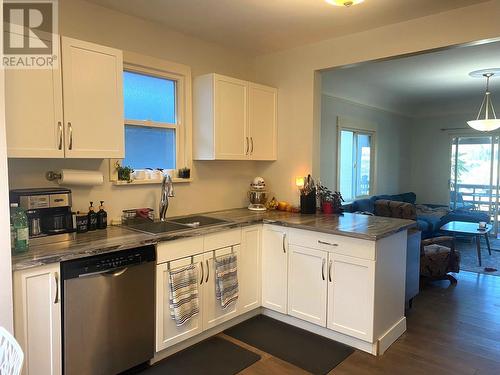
<point x="149" y="182"/>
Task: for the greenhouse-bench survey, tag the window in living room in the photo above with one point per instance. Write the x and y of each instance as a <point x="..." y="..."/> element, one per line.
<point x="355" y="163"/>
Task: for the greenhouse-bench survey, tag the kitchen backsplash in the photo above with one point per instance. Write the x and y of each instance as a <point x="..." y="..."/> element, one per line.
<point x="216" y="186"/>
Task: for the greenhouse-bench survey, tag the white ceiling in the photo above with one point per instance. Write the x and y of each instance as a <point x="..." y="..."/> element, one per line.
<point x="261" y="26"/>
<point x="405" y="84"/>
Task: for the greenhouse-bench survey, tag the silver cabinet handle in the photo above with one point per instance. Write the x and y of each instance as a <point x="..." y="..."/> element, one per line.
<point x="60" y="129"/>
<point x="202" y="272"/>
<point x="284" y="247"/>
<point x="327" y="243"/>
<point x="247" y="145"/>
<point x="330" y="271"/>
<point x="208" y="272"/>
<point x="56" y="278"/>
<point x="251" y="142"/>
<point x="70" y="128"/>
<point x="323" y="269"/>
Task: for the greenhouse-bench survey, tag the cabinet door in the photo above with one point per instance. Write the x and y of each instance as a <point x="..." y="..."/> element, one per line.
<point x="167" y="332"/>
<point x="33" y="113"/>
<point x="213" y="313"/>
<point x="93" y="100"/>
<point x="231" y="138"/>
<point x="350" y="296"/>
<point x="307" y="284"/>
<point x="37" y="319"/>
<point x="249" y="269"/>
<point x="262" y="121"/>
<point x="274" y="268"/>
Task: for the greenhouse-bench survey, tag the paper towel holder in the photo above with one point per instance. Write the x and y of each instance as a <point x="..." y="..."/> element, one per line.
<point x="52" y="176"/>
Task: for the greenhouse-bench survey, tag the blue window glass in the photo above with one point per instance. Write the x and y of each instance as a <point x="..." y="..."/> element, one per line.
<point x="149" y="98"/>
<point x="148" y="147"/>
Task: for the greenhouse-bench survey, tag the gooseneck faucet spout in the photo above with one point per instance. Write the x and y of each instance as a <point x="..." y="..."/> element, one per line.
<point x="167" y="191"/>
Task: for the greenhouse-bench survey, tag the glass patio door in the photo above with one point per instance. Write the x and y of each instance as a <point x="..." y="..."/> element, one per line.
<point x="474" y="177"/>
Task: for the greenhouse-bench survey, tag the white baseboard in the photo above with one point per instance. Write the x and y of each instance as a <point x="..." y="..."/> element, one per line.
<point x="392" y="334"/>
<point x="377" y="348"/>
<point x="322" y="331"/>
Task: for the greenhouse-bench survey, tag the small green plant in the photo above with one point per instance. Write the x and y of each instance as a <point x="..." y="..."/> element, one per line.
<point x="325" y="194"/>
<point x="124" y="172"/>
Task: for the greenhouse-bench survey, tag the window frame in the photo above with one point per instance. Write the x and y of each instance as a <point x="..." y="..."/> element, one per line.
<point x="357" y="131"/>
<point x="181" y="75"/>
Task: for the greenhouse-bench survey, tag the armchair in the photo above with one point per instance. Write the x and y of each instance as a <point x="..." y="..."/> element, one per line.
<point x="438" y="257"/>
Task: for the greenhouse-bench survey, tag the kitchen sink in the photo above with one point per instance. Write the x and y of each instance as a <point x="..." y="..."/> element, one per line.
<point x="196" y="221"/>
<point x="157" y="227"/>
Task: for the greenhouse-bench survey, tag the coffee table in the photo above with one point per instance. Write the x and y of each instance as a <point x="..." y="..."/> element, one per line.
<point x="471" y="230"/>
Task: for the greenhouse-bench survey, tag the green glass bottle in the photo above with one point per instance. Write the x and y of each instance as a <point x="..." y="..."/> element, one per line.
<point x="21" y="232"/>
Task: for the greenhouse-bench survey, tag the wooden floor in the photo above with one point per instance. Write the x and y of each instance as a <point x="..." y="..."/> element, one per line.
<point x="451" y="330"/>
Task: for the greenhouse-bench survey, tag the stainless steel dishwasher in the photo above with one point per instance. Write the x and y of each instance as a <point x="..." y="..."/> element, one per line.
<point x="108" y="311"/>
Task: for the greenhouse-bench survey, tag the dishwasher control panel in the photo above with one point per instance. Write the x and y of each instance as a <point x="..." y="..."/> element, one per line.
<point x="107" y="262"/>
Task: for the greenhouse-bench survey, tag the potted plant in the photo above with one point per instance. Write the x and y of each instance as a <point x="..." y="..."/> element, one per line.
<point x="124" y="173"/>
<point x="331" y="203"/>
<point x="326" y="199"/>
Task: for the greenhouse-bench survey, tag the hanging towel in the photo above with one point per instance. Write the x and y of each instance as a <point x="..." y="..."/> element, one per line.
<point x="226" y="279"/>
<point x="183" y="291"/>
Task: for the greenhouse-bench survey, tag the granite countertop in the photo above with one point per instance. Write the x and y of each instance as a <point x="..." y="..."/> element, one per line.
<point x="116" y="238"/>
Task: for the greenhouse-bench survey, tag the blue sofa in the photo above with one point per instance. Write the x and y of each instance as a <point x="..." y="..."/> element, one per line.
<point x="428" y="224"/>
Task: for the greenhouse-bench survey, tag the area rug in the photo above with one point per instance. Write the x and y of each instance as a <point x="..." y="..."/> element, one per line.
<point x="214" y="356"/>
<point x="304" y="349"/>
<point x="490" y="263"/>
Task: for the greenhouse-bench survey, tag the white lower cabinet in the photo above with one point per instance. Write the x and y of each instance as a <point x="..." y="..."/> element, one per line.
<point x="167" y="332"/>
<point x="351" y="294"/>
<point x="249" y="268"/>
<point x="245" y="244"/>
<point x="213" y="313"/>
<point x="307" y="284"/>
<point x="37" y="319"/>
<point x="274" y="268"/>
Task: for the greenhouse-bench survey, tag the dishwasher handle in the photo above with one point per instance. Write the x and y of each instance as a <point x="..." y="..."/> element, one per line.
<point x="113" y="272"/>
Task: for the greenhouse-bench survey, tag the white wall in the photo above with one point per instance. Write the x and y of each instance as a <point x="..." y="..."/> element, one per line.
<point x="216" y="185"/>
<point x="5" y="260"/>
<point x="431" y="154"/>
<point x="392" y="137"/>
<point x="293" y="71"/>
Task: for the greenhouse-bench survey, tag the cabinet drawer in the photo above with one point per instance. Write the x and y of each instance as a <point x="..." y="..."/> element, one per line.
<point x="332" y="243"/>
<point x="170" y="250"/>
<point x="222" y="239"/>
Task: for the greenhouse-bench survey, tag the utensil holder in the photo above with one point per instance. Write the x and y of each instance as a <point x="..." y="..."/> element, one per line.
<point x="308" y="203"/>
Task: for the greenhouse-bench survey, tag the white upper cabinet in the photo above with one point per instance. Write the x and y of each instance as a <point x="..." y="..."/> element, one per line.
<point x="262" y="120"/>
<point x="73" y="111"/>
<point x="93" y="100"/>
<point x="33" y="112"/>
<point x="234" y="119"/>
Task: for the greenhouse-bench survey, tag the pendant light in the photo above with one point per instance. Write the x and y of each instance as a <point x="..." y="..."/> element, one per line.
<point x="345" y="3"/>
<point x="489" y="122"/>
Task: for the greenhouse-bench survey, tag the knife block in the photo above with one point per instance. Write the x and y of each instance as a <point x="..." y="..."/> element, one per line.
<point x="308" y="203"/>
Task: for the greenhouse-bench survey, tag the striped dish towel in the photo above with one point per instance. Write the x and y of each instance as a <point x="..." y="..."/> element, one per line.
<point x="226" y="279"/>
<point x="183" y="292"/>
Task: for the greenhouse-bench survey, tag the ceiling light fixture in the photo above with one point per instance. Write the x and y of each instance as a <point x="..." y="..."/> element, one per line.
<point x="344" y="3"/>
<point x="489" y="122"/>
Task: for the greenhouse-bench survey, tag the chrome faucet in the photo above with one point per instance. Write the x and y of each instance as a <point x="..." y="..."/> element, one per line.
<point x="167" y="191"/>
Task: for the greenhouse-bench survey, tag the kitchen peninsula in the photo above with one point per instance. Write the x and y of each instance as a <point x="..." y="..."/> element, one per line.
<point x="340" y="276"/>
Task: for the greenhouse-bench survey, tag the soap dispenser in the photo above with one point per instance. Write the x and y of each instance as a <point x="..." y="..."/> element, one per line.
<point x="92" y="218"/>
<point x="102" y="217"/>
